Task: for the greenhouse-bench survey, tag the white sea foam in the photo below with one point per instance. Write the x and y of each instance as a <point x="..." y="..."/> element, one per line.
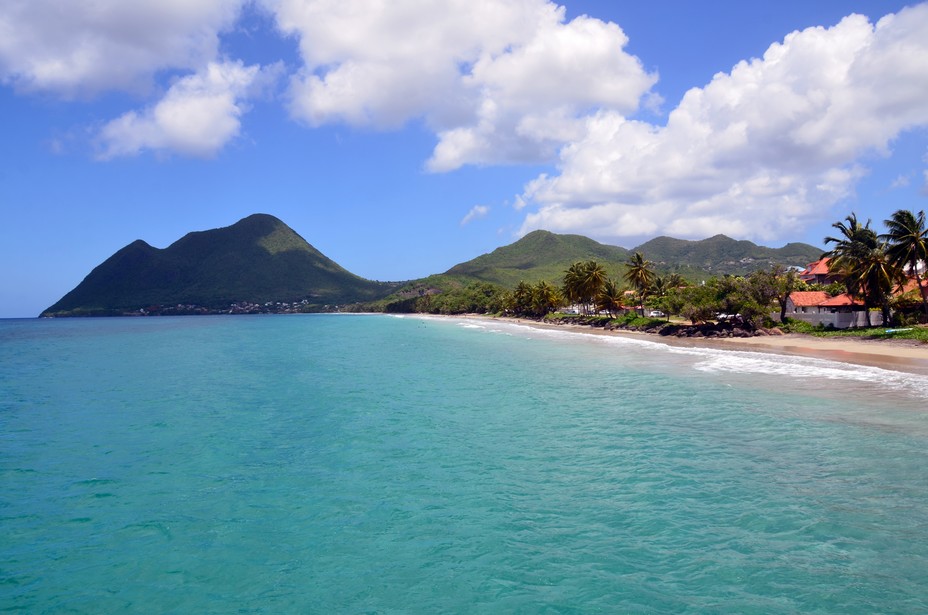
<point x="800" y="370"/>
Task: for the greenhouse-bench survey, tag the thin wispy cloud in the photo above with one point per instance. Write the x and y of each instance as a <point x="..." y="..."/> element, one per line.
<point x="477" y="212"/>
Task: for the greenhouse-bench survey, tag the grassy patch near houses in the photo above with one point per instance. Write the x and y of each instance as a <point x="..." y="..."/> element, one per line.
<point x="912" y="332"/>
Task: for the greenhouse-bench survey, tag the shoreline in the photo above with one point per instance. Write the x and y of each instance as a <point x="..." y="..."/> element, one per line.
<point x="894" y="355"/>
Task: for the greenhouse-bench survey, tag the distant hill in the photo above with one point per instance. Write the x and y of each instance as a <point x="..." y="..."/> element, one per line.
<point x="258" y="259"/>
<point x="720" y="255"/>
<point x="542" y="255"/>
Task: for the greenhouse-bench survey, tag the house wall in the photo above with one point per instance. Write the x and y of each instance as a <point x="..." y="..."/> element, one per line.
<point x="838" y="320"/>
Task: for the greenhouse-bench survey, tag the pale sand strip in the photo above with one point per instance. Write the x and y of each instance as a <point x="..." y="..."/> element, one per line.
<point x="899" y="355"/>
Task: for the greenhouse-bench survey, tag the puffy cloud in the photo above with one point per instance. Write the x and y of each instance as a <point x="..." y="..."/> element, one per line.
<point x="499" y="81"/>
<point x="85" y="47"/>
<point x="82" y="47"/>
<point x="476" y="212"/>
<point x="197" y="117"/>
<point x="759" y="151"/>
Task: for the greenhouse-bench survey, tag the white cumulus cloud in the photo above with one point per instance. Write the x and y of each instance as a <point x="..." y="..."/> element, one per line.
<point x="199" y="114"/>
<point x="83" y="47"/>
<point x="758" y="152"/>
<point x="499" y="81"/>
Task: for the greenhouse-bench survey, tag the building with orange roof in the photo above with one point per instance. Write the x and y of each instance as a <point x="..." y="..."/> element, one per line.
<point x="799" y="300"/>
<point x="817" y="307"/>
<point x="818" y="273"/>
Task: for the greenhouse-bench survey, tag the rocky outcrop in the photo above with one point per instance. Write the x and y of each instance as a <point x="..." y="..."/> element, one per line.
<point x="704" y="330"/>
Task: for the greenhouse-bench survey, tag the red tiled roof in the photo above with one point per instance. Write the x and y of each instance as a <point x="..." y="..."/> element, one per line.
<point x="808" y="298"/>
<point x="840" y="300"/>
<point x="819" y="267"/>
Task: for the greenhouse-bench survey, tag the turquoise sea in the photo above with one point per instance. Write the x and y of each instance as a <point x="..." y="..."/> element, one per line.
<point x="377" y="464"/>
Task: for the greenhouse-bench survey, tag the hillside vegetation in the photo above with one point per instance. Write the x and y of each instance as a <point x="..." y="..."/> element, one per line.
<point x="721" y="255"/>
<point x="542" y="255"/>
<point x="259" y="259"/>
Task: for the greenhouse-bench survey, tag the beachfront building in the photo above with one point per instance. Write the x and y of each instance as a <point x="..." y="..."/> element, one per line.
<point x="817" y="307"/>
<point x="841" y="311"/>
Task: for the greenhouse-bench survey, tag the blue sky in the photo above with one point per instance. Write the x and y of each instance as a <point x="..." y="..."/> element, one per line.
<point x="401" y="138"/>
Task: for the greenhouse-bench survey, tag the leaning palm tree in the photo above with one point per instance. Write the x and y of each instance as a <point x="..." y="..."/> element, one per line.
<point x="853" y="248"/>
<point x="907" y="245"/>
<point x="640" y="276"/>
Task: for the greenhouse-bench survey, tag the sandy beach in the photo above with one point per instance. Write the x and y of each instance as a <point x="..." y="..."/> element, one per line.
<point x="898" y="355"/>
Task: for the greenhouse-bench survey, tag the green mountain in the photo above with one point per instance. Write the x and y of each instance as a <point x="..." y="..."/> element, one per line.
<point x="721" y="255"/>
<point x="540" y="255"/>
<point x="256" y="260"/>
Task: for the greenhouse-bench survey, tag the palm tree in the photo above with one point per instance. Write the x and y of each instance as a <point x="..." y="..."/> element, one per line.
<point x="675" y="280"/>
<point x="610" y="298"/>
<point x="583" y="281"/>
<point x="877" y="278"/>
<point x="594" y="278"/>
<point x="572" y="278"/>
<point x="659" y="289"/>
<point x="659" y="286"/>
<point x="521" y="299"/>
<point x="860" y="257"/>
<point x="573" y="283"/>
<point x="545" y="298"/>
<point x="907" y="245"/>
<point x="640" y="276"/>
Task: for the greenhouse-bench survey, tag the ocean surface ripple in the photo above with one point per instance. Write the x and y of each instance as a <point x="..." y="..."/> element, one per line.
<point x="368" y="464"/>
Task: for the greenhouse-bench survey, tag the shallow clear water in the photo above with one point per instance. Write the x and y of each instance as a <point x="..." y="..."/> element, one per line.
<point x="374" y="464"/>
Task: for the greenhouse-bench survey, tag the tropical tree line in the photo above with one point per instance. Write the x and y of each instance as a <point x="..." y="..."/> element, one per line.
<point x="587" y="288"/>
<point x="873" y="268"/>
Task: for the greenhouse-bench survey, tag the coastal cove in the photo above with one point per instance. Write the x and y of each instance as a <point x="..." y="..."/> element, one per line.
<point x="377" y="463"/>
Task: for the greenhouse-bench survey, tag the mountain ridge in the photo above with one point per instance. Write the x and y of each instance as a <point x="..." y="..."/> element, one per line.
<point x="545" y="255"/>
<point x="260" y="260"/>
